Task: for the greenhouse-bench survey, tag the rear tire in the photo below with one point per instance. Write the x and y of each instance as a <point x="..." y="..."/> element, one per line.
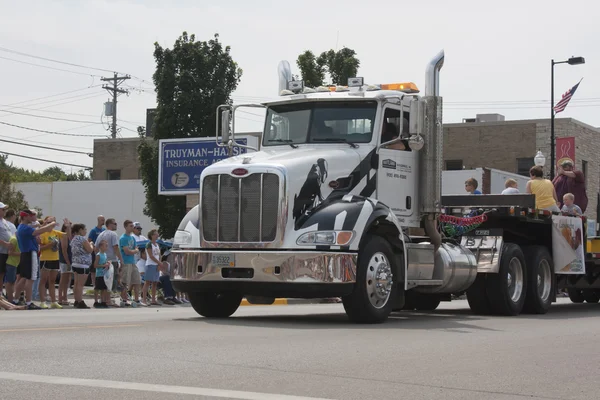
<point x="477" y="296"/>
<point x="508" y="288"/>
<point x="425" y="302"/>
<point x="575" y="295"/>
<point x="591" y="296"/>
<point x="540" y="279"/>
<point x="372" y="299"/>
<point x="215" y="305"/>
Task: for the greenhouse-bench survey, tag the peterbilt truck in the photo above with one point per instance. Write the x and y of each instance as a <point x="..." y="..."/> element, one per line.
<point x="342" y="198"/>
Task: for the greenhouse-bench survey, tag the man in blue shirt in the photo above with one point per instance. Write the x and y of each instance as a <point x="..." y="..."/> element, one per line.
<point x="130" y="275"/>
<point x="98" y="229"/>
<point x="29" y="264"/>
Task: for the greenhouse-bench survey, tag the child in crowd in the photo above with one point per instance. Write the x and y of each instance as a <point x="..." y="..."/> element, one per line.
<point x="153" y="263"/>
<point x="569" y="208"/>
<point x="102" y="265"/>
<point x="511" y="187"/>
<point x="165" y="282"/>
<point x="471" y="186"/>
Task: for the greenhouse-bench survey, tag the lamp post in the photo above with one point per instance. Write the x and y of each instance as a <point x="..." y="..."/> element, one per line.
<point x="570" y="61"/>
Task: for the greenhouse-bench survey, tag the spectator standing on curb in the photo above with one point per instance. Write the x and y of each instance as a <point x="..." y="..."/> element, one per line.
<point x="92" y="236"/>
<point x="49" y="265"/>
<point x="65" y="257"/>
<point x="82" y="251"/>
<point x="5" y="234"/>
<point x="11" y="218"/>
<point x="29" y="264"/>
<point x="12" y="263"/>
<point x="101" y="264"/>
<point x="113" y="255"/>
<point x="140" y="257"/>
<point x="165" y="281"/>
<point x="130" y="276"/>
<point x="153" y="264"/>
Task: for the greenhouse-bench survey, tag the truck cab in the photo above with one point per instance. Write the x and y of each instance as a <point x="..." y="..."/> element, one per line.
<point x="323" y="207"/>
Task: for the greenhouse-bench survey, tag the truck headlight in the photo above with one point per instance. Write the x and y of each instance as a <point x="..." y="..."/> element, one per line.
<point x="182" y="238"/>
<point x="332" y="238"/>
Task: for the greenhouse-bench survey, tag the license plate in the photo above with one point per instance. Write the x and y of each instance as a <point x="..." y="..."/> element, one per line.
<point x="223" y="260"/>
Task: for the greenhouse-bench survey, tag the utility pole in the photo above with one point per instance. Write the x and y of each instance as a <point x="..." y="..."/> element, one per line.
<point x="114" y="91"/>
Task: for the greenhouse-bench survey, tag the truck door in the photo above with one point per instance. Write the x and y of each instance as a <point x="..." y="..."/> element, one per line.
<point x="396" y="174"/>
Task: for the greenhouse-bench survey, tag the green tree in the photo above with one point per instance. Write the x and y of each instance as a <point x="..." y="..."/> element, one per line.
<point x="191" y="80"/>
<point x="8" y="194"/>
<point x="338" y="65"/>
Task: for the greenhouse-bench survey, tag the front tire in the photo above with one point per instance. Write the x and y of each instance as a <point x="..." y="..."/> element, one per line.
<point x="215" y="305"/>
<point x="540" y="279"/>
<point x="372" y="299"/>
<point x="508" y="288"/>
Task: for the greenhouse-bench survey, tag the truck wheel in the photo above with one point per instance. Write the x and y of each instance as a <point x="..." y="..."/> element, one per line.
<point x="371" y="301"/>
<point x="477" y="296"/>
<point x="591" y="296"/>
<point x="576" y="295"/>
<point x="409" y="303"/>
<point x="428" y="303"/>
<point x="540" y="279"/>
<point x="507" y="289"/>
<point x="215" y="305"/>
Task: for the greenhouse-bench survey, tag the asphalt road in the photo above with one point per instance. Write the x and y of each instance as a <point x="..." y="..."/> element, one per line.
<point x="298" y="352"/>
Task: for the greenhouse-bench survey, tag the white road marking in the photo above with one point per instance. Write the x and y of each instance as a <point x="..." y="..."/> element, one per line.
<point x="149" y="387"/>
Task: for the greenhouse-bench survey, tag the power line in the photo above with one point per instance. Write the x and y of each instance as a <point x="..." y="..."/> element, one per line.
<point x="46" y="117"/>
<point x="47" y="148"/>
<point x="51" y="60"/>
<point x="52" y="95"/>
<point x="50" y="132"/>
<point x="38" y="142"/>
<point x="53" y="111"/>
<point x="48" y="67"/>
<point x="41" y="159"/>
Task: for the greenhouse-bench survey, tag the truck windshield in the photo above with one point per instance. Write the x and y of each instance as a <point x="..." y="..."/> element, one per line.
<point x="320" y="122"/>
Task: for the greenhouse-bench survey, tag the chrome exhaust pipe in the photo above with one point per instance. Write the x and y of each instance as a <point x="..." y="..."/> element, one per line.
<point x="432" y="75"/>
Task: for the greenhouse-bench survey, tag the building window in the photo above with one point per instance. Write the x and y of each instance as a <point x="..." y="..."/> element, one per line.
<point x="584" y="169"/>
<point x="524" y="165"/>
<point x="454" y="165"/>
<point x="113" y="174"/>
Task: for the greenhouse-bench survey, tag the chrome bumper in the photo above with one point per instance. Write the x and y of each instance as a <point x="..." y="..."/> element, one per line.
<point x="264" y="267"/>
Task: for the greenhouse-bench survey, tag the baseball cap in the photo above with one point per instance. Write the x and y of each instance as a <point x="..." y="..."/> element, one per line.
<point x="26" y="213"/>
<point x="2" y="205"/>
<point x="137" y="225"/>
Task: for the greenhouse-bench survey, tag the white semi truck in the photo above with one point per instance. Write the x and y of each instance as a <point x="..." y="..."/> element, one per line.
<point x="343" y="199"/>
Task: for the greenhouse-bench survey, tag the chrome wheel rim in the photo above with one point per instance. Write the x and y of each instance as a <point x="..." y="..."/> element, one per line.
<point x="544" y="280"/>
<point x="379" y="280"/>
<point x="515" y="279"/>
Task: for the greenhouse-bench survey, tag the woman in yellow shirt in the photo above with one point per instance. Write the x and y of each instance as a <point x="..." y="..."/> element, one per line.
<point x="49" y="265"/>
<point x="543" y="189"/>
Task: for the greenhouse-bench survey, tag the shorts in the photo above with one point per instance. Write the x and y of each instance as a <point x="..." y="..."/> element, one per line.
<point x="65" y="268"/>
<point x="50" y="265"/>
<point x="151" y="273"/>
<point x="99" y="283"/>
<point x="29" y="265"/>
<point x="130" y="275"/>
<point x="3" y="258"/>
<point x="11" y="274"/>
<point x="81" y="270"/>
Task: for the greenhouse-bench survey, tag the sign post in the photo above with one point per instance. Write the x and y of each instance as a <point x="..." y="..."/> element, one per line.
<point x="181" y="162"/>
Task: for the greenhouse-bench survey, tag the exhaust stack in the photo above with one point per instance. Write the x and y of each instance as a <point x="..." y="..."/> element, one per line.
<point x="431" y="156"/>
<point x="284" y="73"/>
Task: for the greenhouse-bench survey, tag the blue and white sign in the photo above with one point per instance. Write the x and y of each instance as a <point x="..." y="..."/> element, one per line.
<point x="181" y="161"/>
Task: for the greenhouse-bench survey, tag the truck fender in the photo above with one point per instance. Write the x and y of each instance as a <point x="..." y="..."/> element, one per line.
<point x="361" y="215"/>
<point x="191" y="224"/>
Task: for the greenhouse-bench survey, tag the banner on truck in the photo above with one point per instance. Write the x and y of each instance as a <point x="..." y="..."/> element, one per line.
<point x="181" y="161"/>
<point x="568" y="245"/>
<point x="565" y="149"/>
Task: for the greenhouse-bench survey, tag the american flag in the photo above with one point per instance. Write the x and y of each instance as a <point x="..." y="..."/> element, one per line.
<point x="562" y="104"/>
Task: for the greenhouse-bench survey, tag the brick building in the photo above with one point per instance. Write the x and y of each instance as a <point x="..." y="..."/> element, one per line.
<point x="484" y="141"/>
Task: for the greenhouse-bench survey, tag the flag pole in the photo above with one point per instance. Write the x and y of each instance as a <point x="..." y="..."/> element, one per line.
<point x="552" y="139"/>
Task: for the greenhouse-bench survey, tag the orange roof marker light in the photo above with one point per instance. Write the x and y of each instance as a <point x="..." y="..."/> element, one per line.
<point x="406" y="87"/>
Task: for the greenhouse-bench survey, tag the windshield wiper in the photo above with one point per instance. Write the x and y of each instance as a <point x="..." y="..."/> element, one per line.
<point x="288" y="141"/>
<point x="336" y="140"/>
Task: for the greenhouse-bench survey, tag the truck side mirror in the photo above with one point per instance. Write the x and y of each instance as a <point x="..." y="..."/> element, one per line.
<point x="225" y="115"/>
<point x="416" y="125"/>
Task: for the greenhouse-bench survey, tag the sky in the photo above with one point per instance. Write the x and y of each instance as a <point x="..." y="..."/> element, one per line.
<point x="497" y="58"/>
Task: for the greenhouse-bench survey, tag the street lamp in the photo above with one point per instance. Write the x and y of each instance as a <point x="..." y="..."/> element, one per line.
<point x="539" y="159"/>
<point x="570" y="61"/>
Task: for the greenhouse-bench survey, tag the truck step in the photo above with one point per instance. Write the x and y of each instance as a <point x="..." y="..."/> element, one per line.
<point x="425" y="282"/>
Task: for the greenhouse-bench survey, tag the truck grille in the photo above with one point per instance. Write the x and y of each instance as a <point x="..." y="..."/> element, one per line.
<point x="240" y="209"/>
